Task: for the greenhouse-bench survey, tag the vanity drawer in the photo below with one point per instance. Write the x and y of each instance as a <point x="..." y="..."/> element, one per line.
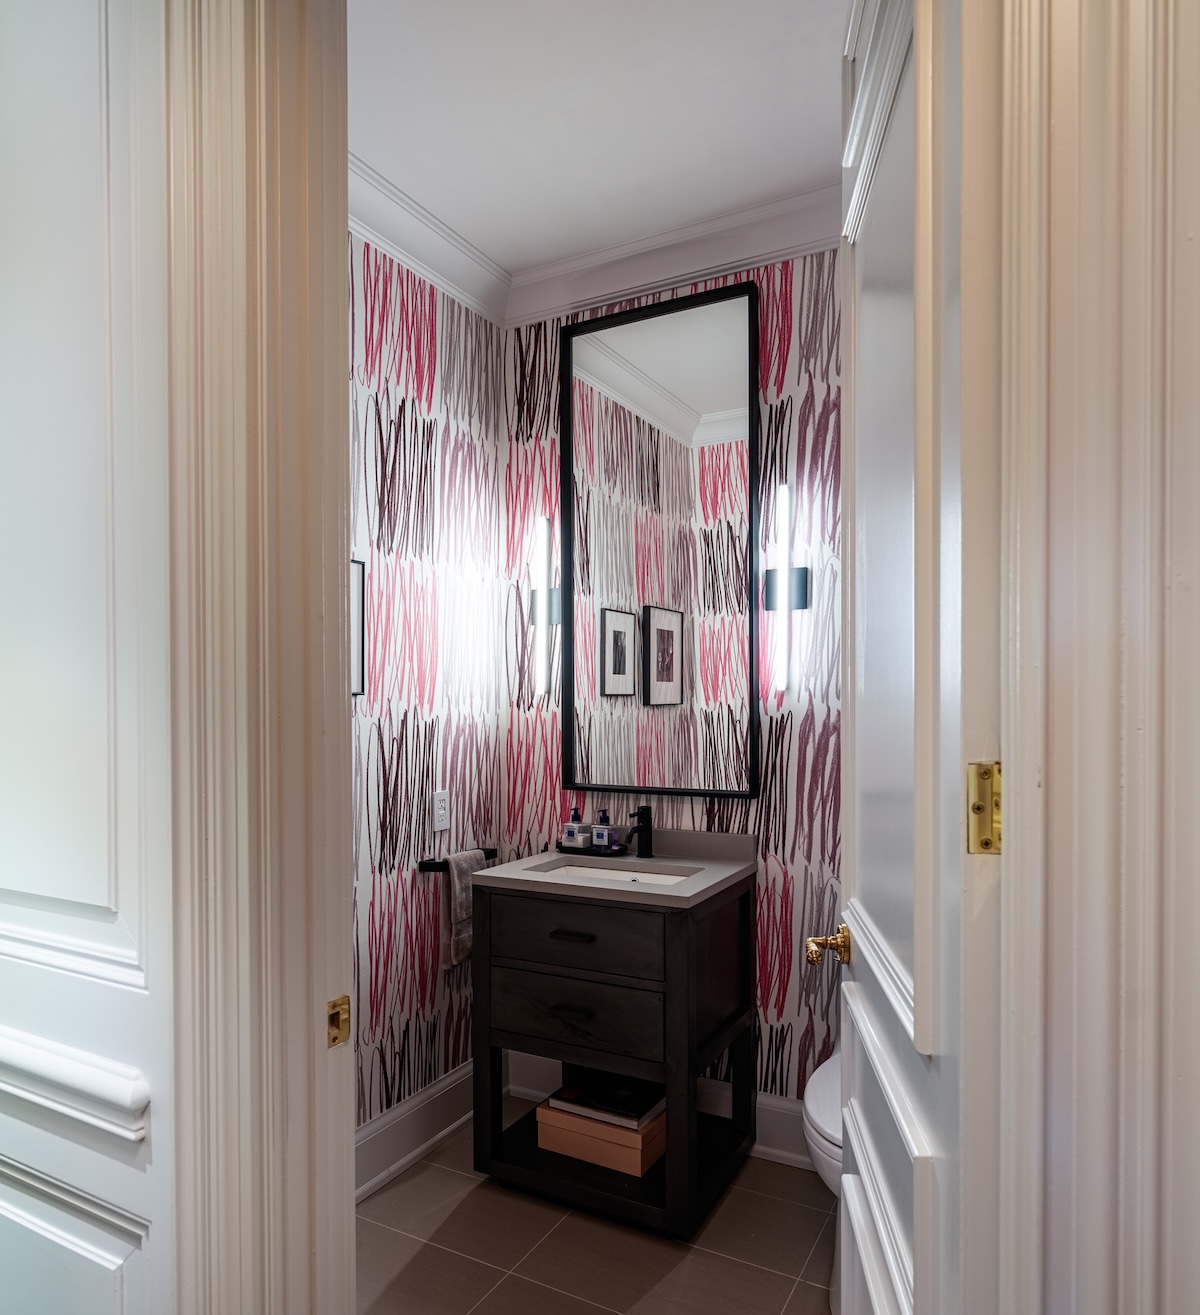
<point x="619" y="1019"/>
<point x="572" y="934"/>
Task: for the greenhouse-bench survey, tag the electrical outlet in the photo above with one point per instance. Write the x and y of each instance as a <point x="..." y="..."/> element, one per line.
<point x="441" y="810"/>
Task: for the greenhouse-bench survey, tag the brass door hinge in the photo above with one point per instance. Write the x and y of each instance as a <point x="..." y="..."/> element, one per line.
<point x="339" y="1020"/>
<point x="983" y="808"/>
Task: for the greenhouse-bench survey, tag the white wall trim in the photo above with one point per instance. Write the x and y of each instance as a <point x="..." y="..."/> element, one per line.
<point x="894" y="979"/>
<point x="745" y="239"/>
<point x="531" y="1077"/>
<point x="385" y="1147"/>
<point x="780" y="1132"/>
<point x="389" y="218"/>
<point x="662" y="409"/>
<point x="730" y="426"/>
<point x="382" y="214"/>
<point x="875" y="94"/>
<point x="260" y="726"/>
<point x="718" y="226"/>
<point x="75" y="1083"/>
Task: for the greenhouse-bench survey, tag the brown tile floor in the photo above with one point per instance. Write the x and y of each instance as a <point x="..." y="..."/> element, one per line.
<point x="441" y="1240"/>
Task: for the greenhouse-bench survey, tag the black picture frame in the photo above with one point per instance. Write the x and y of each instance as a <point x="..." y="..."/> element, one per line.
<point x="627" y="634"/>
<point x="662" y="656"/>
<point x="567" y="335"/>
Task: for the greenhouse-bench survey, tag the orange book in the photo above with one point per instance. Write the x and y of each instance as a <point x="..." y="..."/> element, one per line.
<point x="627" y="1150"/>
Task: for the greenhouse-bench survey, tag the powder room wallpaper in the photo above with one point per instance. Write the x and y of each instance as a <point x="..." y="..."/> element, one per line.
<point x="454" y="451"/>
<point x="426" y="420"/>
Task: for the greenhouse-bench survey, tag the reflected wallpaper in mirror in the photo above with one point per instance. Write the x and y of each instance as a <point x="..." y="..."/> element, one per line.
<point x="662" y="447"/>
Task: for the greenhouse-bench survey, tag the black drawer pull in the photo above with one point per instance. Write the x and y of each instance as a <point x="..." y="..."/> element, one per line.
<point x="573" y="1013"/>
<point x="575" y="937"/>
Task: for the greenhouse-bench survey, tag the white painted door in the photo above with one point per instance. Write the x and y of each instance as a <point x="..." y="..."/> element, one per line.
<point x="905" y="1191"/>
<point x="86" y="1145"/>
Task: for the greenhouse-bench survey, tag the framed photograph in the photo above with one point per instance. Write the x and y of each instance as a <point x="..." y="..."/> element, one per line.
<point x="662" y="656"/>
<point x="358" y="646"/>
<point x="618" y="635"/>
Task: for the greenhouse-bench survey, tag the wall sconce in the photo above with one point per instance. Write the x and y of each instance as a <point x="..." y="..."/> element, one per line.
<point x="797" y="590"/>
<point x="785" y="587"/>
<point x="545" y="605"/>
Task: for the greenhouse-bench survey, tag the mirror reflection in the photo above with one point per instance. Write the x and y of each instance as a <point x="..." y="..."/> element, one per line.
<point x="662" y="451"/>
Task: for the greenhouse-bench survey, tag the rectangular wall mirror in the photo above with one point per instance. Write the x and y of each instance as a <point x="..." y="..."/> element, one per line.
<point x="659" y="451"/>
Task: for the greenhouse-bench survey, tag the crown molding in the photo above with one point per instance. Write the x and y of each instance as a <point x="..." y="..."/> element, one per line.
<point x="388" y="218"/>
<point x="384" y="215"/>
<point x="610" y="373"/>
<point x="780" y="230"/>
<point x="722" y="427"/>
<point x="718" y="225"/>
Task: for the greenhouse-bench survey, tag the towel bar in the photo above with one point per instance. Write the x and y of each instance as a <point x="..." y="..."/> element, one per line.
<point x="440" y="864"/>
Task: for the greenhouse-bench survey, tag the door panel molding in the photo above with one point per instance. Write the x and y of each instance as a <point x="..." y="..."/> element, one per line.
<point x="920" y="1146"/>
<point x="89" y="1088"/>
<point x="51" y="938"/>
<point x="872" y="948"/>
<point x="891" y="1080"/>
<point x="57" y="917"/>
<point x="867" y="1250"/>
<point x="889" y="1228"/>
<point x="96" y="1229"/>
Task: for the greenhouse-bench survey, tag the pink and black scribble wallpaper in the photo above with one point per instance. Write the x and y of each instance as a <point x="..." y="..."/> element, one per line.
<point x="454" y="458"/>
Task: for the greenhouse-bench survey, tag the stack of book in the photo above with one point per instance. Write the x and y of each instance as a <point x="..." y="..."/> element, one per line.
<point x="606" y="1119"/>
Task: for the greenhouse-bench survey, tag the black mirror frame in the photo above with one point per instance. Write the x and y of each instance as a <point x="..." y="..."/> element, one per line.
<point x="567" y="334"/>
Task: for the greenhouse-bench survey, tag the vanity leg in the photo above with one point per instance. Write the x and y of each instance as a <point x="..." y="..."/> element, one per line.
<point x="682" y="1168"/>
<point x="488" y="1073"/>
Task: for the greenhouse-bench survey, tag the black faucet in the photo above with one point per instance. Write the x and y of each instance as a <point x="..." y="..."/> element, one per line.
<point x="644" y="832"/>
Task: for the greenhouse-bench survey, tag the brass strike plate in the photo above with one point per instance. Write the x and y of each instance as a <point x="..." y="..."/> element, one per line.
<point x="983" y="808"/>
<point x="339" y="1020"/>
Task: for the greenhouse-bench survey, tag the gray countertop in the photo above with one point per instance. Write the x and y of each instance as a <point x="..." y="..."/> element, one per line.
<point x="687" y="867"/>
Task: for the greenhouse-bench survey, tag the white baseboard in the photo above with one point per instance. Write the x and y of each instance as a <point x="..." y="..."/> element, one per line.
<point x="530" y="1076"/>
<point x="395" y="1141"/>
<point x="780" y="1118"/>
<point x="781" y="1132"/>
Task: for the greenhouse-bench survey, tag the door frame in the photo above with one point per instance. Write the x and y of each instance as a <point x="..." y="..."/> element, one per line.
<point x="264" y="1111"/>
<point x="1096" y="108"/>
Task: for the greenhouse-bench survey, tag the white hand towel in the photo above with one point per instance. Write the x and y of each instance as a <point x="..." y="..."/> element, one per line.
<point x="456" y="905"/>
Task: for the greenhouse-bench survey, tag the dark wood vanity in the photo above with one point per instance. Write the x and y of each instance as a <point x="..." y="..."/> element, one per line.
<point x="648" y="990"/>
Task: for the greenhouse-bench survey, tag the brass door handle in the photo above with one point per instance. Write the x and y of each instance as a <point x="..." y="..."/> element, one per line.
<point x="816" y="946"/>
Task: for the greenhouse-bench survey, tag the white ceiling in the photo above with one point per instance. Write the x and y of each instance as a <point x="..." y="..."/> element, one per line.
<point x="537" y="131"/>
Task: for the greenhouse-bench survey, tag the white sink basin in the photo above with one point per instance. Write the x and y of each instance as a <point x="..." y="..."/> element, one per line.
<point x="665" y="874"/>
<point x="630" y="878"/>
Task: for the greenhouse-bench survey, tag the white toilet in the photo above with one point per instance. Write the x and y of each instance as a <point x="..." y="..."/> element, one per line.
<point x="823" y="1133"/>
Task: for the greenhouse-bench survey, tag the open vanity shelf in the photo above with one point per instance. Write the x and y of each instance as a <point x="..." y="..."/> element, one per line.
<point x="649" y="990"/>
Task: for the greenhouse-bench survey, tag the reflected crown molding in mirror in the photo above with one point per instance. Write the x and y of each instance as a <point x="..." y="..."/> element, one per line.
<point x="659" y="406"/>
